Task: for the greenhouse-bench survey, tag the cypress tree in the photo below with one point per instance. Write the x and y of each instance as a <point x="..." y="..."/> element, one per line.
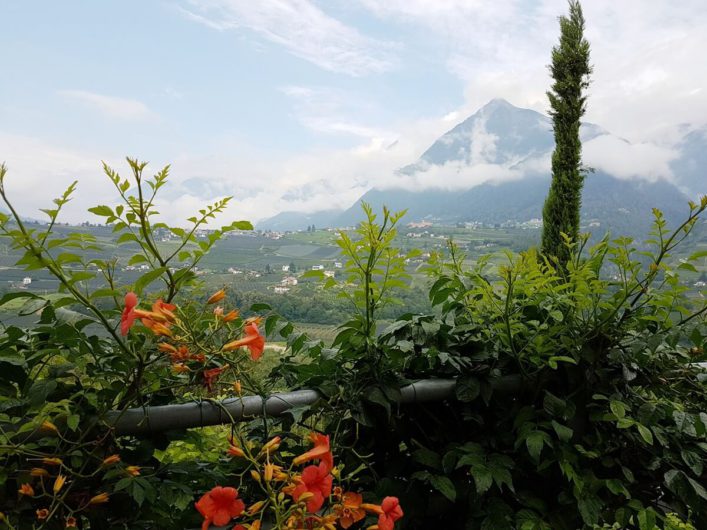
<point x="570" y="70"/>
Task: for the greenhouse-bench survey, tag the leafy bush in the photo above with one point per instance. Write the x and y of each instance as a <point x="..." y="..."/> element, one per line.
<point x="95" y="350"/>
<point x="578" y="400"/>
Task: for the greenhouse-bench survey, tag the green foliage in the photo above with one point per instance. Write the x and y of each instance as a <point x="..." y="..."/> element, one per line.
<point x="570" y="71"/>
<point x="60" y="377"/>
<point x="577" y="401"/>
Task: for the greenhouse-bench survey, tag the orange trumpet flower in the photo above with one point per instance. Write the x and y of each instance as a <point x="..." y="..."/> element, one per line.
<point x="253" y="340"/>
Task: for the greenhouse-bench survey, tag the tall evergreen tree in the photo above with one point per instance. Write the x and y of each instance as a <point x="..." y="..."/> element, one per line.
<point x="570" y="70"/>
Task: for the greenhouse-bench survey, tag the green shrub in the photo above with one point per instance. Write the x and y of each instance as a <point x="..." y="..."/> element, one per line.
<point x="578" y="401"/>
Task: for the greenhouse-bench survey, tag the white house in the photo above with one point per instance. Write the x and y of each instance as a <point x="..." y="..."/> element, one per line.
<point x="289" y="280"/>
<point x="26" y="280"/>
<point x="317" y="267"/>
<point x="279" y="289"/>
<point x="285" y="268"/>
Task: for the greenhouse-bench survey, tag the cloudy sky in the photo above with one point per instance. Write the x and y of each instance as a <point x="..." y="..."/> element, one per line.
<point x="305" y="104"/>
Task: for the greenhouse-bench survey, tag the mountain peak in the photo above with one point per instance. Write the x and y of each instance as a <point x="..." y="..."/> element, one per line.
<point x="497" y="133"/>
<point x="497" y="103"/>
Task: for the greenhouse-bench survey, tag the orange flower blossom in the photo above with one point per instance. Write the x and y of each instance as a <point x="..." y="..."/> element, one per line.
<point x="321" y="451"/>
<point x="253" y="340"/>
<point x="350" y="511"/>
<point x="391" y="512"/>
<point x="212" y="375"/>
<point x="219" y="506"/>
<point x="128" y="316"/>
<point x="317" y="481"/>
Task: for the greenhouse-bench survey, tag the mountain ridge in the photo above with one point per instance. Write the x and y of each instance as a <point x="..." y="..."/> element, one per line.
<point x="493" y="167"/>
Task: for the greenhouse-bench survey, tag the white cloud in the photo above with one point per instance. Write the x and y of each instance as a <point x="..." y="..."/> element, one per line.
<point x="39" y="171"/>
<point x="303" y="29"/>
<point x="453" y="176"/>
<point x="646" y="53"/>
<point x="624" y="160"/>
<point x="110" y="106"/>
<point x="327" y="110"/>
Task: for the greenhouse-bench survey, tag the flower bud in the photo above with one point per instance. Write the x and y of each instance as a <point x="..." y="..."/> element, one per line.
<point x="305" y="496"/>
<point x="267" y="473"/>
<point x="101" y="498"/>
<point x="236" y="451"/>
<point x="59" y="483"/>
<point x="49" y="426"/>
<point x="255" y="475"/>
<point x="166" y="347"/>
<point x="216" y="297"/>
<point x="231" y="315"/>
<point x="26" y="489"/>
<point x="272" y="445"/>
<point x="255" y="508"/>
<point x="110" y="460"/>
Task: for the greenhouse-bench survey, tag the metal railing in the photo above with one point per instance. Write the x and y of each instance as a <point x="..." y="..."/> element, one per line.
<point x="146" y="420"/>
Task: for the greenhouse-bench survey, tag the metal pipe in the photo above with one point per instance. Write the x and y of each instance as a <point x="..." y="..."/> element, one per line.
<point x="200" y="414"/>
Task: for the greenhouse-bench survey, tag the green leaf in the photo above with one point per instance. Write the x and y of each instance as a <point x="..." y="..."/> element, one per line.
<point x="428" y="458"/>
<point x="557" y="315"/>
<point x="618" y="408"/>
<point x="647" y="519"/>
<point x="102" y="210"/>
<point x="73" y="421"/>
<point x="482" y="478"/>
<point x="534" y="442"/>
<point x="563" y="433"/>
<point x="688" y="267"/>
<point x="445" y="486"/>
<point x="698" y="488"/>
<point x="376" y="395"/>
<point x="589" y="508"/>
<point x="127" y="237"/>
<point x="137" y="493"/>
<point x="693" y="461"/>
<point x="553" y="405"/>
<point x="242" y="225"/>
<point x="552" y="361"/>
<point x="683" y="422"/>
<point x="671" y="477"/>
<point x="467" y="389"/>
<point x="617" y="487"/>
<point x="645" y="433"/>
<point x="147" y="278"/>
<point x="40" y="391"/>
<point x="12" y="296"/>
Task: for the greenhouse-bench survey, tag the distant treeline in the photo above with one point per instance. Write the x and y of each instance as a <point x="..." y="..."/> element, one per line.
<point x="324" y="307"/>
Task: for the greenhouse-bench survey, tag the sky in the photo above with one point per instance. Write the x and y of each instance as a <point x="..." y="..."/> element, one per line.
<point x="305" y="104"/>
